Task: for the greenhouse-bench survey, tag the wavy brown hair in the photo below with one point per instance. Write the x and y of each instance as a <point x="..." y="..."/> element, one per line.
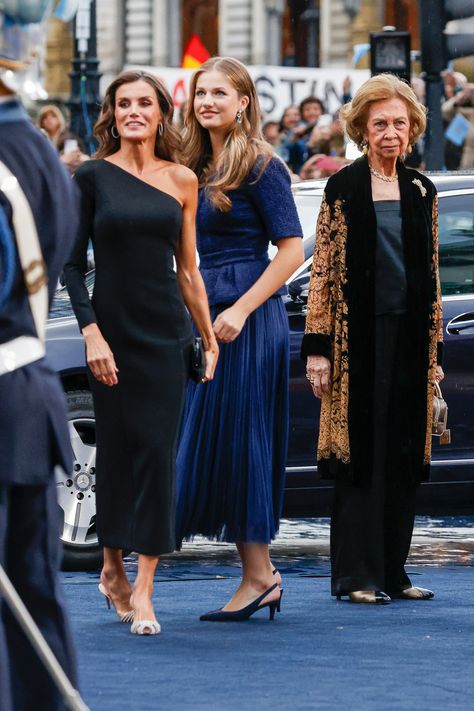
<point x="243" y="146"/>
<point x="354" y="115"/>
<point x="166" y="145"/>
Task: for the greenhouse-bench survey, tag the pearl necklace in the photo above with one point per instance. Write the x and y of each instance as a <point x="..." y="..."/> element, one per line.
<point x="385" y="178"/>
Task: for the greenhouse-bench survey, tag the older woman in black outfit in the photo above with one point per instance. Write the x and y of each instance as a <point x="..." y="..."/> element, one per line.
<point x="373" y="342"/>
<point x="138" y="206"/>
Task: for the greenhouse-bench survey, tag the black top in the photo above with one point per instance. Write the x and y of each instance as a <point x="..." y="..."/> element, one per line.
<point x="390" y="274"/>
<point x="134" y="228"/>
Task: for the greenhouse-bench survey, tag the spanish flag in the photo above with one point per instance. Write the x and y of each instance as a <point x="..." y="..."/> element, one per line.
<point x="195" y="53"/>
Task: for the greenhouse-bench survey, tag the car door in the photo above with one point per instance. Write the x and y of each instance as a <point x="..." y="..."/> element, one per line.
<point x="451" y="486"/>
<point x="453" y="464"/>
<point x="302" y="479"/>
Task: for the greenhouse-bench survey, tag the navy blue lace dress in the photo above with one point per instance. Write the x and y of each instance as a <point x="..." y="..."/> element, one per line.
<point x="233" y="446"/>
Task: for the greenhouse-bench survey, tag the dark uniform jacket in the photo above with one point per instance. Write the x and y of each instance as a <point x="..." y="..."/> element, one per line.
<point x="33" y="426"/>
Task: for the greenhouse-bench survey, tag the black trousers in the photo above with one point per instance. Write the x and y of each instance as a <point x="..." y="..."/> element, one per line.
<point x="30" y="553"/>
<point x="372" y="524"/>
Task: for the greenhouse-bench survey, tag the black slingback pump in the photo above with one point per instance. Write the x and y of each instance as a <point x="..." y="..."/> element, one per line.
<point x="245" y="612"/>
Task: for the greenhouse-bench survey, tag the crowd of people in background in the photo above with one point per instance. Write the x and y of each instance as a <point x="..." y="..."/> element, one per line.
<point x="309" y="139"/>
<point x="52" y="123"/>
<point x="312" y="143"/>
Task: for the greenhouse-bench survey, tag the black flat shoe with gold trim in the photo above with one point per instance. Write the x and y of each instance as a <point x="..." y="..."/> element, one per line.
<point x="367" y="597"/>
<point x="413" y="593"/>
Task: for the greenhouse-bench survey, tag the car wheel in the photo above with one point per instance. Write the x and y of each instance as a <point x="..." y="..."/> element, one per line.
<point x="76" y="490"/>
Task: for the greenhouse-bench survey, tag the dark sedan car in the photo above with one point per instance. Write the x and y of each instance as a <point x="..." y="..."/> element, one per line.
<point x="451" y="488"/>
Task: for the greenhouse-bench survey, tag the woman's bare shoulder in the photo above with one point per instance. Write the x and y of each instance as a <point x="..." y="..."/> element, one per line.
<point x="183" y="176"/>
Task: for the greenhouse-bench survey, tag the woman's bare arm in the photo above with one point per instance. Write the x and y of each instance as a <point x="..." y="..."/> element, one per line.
<point x="189" y="277"/>
<point x="290" y="256"/>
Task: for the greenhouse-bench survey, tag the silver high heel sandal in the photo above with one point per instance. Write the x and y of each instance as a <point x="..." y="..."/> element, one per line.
<point x="126" y="616"/>
<point x="145" y="627"/>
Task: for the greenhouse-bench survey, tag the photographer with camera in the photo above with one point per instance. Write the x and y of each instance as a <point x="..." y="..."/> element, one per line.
<point x="458" y="112"/>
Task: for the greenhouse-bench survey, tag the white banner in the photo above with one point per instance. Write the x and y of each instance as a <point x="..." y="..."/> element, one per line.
<point x="277" y="87"/>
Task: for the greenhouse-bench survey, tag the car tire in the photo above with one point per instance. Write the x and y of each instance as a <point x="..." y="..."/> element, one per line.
<point x="76" y="491"/>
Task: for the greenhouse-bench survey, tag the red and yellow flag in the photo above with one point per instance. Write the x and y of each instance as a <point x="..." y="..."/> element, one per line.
<point x="195" y="53"/>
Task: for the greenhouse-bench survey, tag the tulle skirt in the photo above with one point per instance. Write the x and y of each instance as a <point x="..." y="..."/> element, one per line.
<point x="233" y="443"/>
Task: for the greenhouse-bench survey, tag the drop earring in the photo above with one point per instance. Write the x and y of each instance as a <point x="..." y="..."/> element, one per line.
<point x="409" y="149"/>
<point x="160" y="129"/>
<point x="365" y="148"/>
<point x="238" y="117"/>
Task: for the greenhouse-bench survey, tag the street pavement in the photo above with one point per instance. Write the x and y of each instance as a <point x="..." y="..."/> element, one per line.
<point x="317" y="654"/>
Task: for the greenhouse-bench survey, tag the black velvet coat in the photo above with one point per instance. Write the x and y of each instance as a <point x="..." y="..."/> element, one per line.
<point x="341" y="319"/>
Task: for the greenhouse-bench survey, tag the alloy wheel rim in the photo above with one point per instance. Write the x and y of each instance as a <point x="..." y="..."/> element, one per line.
<point x="76" y="490"/>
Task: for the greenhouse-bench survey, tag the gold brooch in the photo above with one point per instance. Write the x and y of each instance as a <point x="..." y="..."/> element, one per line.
<point x="417" y="181"/>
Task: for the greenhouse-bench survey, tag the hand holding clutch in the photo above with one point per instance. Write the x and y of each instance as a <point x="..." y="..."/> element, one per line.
<point x="197" y="369"/>
<point x="203" y="362"/>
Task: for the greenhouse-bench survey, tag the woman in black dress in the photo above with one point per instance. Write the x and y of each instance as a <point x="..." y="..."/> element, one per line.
<point x="374" y="342"/>
<point x="138" y="206"/>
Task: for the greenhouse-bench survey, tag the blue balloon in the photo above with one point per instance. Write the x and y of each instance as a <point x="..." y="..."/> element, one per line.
<point x="25" y="11"/>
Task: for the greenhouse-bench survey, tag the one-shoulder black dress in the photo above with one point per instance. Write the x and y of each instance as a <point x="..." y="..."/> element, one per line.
<point x="139" y="309"/>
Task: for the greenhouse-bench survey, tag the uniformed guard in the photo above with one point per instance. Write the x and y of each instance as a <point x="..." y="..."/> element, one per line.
<point x="33" y="426"/>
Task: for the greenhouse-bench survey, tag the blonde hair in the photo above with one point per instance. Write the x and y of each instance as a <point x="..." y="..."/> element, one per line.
<point x="57" y="113"/>
<point x="243" y="145"/>
<point x="381" y="87"/>
<point x="166" y="144"/>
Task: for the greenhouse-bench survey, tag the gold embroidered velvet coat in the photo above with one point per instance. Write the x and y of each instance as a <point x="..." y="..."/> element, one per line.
<point x="341" y="320"/>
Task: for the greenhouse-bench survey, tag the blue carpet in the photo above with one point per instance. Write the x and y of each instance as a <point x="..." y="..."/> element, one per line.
<point x="317" y="654"/>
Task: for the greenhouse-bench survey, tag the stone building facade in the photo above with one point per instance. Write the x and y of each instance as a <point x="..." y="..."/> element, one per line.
<point x="290" y="32"/>
<point x="155" y="32"/>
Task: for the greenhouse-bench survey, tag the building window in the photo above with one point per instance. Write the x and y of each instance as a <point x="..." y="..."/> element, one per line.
<point x="300" y="24"/>
<point x="201" y="17"/>
<point x="403" y="14"/>
<point x="138" y="23"/>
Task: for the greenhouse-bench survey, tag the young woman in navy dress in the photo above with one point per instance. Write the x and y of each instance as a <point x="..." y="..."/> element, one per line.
<point x="231" y="457"/>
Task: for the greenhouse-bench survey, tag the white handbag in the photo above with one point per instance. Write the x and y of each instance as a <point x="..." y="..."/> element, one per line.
<point x="440" y="417"/>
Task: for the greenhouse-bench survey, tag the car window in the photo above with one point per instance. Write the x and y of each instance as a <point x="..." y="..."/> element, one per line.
<point x="308" y="211"/>
<point x="299" y="284"/>
<point x="456" y="244"/>
<point x="90" y="277"/>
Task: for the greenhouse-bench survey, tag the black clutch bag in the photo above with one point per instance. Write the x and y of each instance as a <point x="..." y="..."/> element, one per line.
<point x="197" y="369"/>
